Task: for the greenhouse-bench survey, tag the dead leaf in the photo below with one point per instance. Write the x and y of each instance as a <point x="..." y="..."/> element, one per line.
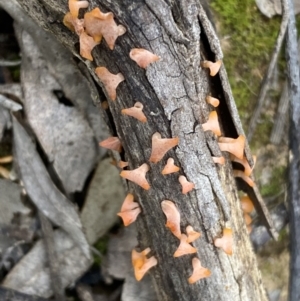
<point x="270" y="8"/>
<point x="31" y="275"/>
<point x="103" y="202"/>
<point x="41" y="189"/>
<point x="63" y="131"/>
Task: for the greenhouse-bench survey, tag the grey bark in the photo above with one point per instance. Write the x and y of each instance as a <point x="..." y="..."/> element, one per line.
<point x="173" y="92"/>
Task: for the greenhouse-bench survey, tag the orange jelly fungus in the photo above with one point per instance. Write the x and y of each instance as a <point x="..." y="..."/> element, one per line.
<point x="213" y="67"/>
<point x="87" y="44"/>
<point x="137" y="176"/>
<point x="240" y="174"/>
<point x="75" y="5"/>
<point x="233" y="146"/>
<point x="136" y="111"/>
<point x="141" y="263"/>
<point x="247" y="169"/>
<point x="225" y="242"/>
<point x="246" y="203"/>
<point x="184" y="247"/>
<point x="129" y="210"/>
<point x="212" y="124"/>
<point x="212" y="101"/>
<point x="170" y="167"/>
<point x="112" y="143"/>
<point x="199" y="272"/>
<point x="110" y="81"/>
<point x="98" y="24"/>
<point x="143" y="57"/>
<point x="160" y="146"/>
<point x="173" y="217"/>
<point x="186" y="185"/>
<point x="219" y="160"/>
<point x="192" y="235"/>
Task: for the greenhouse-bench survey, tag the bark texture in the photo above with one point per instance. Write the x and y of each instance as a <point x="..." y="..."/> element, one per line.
<point x="173" y="92"/>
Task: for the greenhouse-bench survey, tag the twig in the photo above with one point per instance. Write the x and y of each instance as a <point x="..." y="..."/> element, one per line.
<point x="6" y="63"/>
<point x="266" y="81"/>
<point x="53" y="263"/>
<point x="9" y="104"/>
<point x="294" y="142"/>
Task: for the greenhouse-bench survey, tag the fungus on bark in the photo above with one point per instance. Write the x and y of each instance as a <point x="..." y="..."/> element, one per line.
<point x="75" y="5"/>
<point x="122" y="164"/>
<point x="170" y="167"/>
<point x="129" y="203"/>
<point x="212" y="124"/>
<point x="199" y="272"/>
<point x="74" y="24"/>
<point x="184" y="247"/>
<point x="98" y="24"/>
<point x="87" y="44"/>
<point x="247" y="169"/>
<point x="143" y="57"/>
<point x="192" y="235"/>
<point x="136" y="111"/>
<point x="160" y="146"/>
<point x="173" y="217"/>
<point x="137" y="176"/>
<point x="141" y="263"/>
<point x="110" y="81"/>
<point x="129" y="216"/>
<point x="247" y="219"/>
<point x="212" y="101"/>
<point x="247" y="205"/>
<point x="225" y="242"/>
<point x="219" y="160"/>
<point x="213" y="67"/>
<point x="241" y="174"/>
<point x="112" y="143"/>
<point x="233" y="146"/>
<point x="186" y="185"/>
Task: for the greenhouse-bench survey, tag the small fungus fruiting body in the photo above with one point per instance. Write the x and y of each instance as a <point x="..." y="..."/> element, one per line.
<point x="160" y="146"/>
<point x="122" y="164"/>
<point x="212" y="124"/>
<point x="75" y="5"/>
<point x="141" y="263"/>
<point x="247" y="205"/>
<point x="186" y="185"/>
<point x="184" y="247"/>
<point x="212" y="101"/>
<point x="233" y="146"/>
<point x="213" y="67"/>
<point x="100" y="24"/>
<point x="129" y="203"/>
<point x="112" y="143"/>
<point x="74" y="24"/>
<point x="136" y="111"/>
<point x="173" y="217"/>
<point x="247" y="219"/>
<point x="219" y="160"/>
<point x="241" y="174"/>
<point x="143" y="57"/>
<point x="225" y="242"/>
<point x="129" y="210"/>
<point x="199" y="272"/>
<point x="170" y="167"/>
<point x="129" y="216"/>
<point x="110" y="81"/>
<point x="87" y="44"/>
<point x="192" y="235"/>
<point x="138" y="176"/>
<point x="247" y="169"/>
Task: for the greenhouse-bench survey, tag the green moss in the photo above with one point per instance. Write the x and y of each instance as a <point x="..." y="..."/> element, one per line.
<point x="276" y="182"/>
<point x="101" y="246"/>
<point x="250" y="39"/>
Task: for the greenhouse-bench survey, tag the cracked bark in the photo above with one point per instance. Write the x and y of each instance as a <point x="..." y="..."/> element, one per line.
<point x="173" y="93"/>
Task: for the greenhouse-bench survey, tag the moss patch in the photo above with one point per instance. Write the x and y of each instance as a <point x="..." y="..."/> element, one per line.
<point x="276" y="183"/>
<point x="248" y="39"/>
